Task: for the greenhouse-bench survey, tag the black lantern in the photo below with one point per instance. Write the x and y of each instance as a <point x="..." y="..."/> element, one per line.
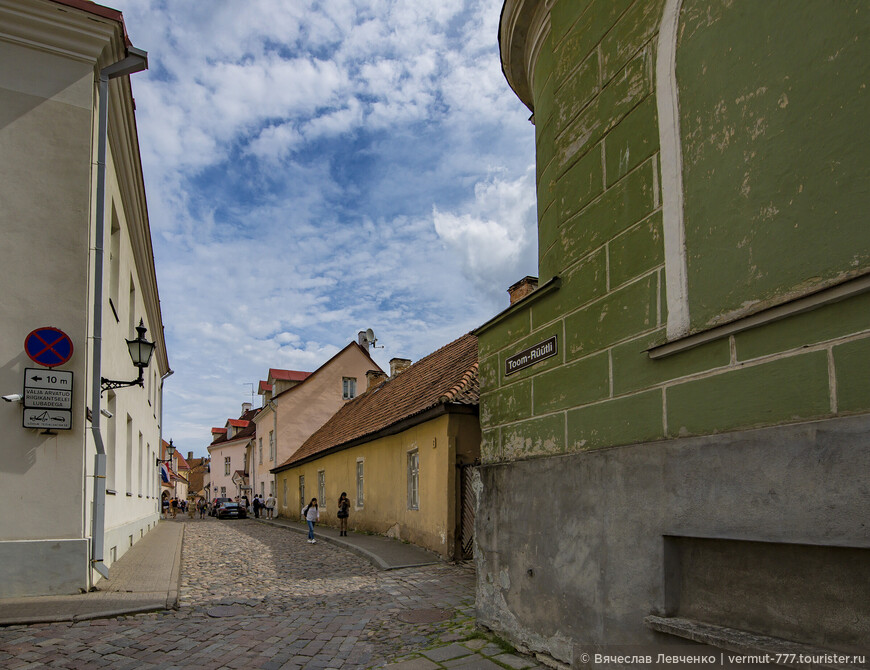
<point x="170" y="452"/>
<point x="140" y="353"/>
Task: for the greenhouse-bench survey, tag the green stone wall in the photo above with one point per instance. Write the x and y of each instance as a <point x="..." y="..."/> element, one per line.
<point x="601" y="228"/>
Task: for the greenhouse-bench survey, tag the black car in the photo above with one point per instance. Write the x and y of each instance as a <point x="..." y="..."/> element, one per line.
<point x="231" y="510"/>
<point x="217" y="502"/>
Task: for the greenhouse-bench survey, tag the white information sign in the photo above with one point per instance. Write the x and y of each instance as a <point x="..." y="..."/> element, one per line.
<point x="47" y="419"/>
<point x="48" y="389"/>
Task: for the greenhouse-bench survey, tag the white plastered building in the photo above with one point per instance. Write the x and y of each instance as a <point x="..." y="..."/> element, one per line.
<point x="63" y="527"/>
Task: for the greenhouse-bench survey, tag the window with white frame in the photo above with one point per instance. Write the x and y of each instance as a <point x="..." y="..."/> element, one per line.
<point x="271" y="445"/>
<point x="414" y="479"/>
<point x="223" y="491"/>
<point x="360" y="477"/>
<point x="348" y="388"/>
<point x="227" y="466"/>
<point x="272" y="487"/>
<point x="321" y="489"/>
<point x="261" y="451"/>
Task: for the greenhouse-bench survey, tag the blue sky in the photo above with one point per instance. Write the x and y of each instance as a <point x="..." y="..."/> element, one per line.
<point x="318" y="168"/>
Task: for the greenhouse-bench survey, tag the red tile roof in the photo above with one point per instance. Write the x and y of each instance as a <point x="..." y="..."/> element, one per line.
<point x="215" y="431"/>
<point x="264" y="387"/>
<point x="288" y="375"/>
<point x="249" y="429"/>
<point x="446" y="377"/>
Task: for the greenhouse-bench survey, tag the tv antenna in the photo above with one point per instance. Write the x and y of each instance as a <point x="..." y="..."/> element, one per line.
<point x="252" y="390"/>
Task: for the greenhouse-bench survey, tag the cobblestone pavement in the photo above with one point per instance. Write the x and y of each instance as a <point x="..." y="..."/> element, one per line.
<point x="254" y="596"/>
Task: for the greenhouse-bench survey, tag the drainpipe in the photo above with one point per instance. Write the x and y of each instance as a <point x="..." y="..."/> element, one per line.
<point x="136" y="61"/>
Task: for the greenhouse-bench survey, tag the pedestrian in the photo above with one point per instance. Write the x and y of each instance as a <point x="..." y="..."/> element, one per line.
<point x="200" y="507"/>
<point x="174" y="504"/>
<point x="270" y="506"/>
<point x="343" y="512"/>
<point x="164" y="507"/>
<point x="311" y="514"/>
<point x="257" y="506"/>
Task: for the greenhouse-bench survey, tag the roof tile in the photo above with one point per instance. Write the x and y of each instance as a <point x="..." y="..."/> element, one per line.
<point x="446" y="376"/>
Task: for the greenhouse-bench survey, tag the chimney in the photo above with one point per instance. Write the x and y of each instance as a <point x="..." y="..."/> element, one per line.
<point x="361" y="340"/>
<point x="522" y="288"/>
<point x="246" y="407"/>
<point x="398" y="365"/>
<point x="189" y="456"/>
<point x="373" y="378"/>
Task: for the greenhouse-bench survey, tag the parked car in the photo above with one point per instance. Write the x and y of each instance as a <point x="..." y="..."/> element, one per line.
<point x="231" y="510"/>
<point x="217" y="503"/>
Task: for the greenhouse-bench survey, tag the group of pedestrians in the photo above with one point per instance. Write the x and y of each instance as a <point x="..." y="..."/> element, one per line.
<point x="265" y="507"/>
<point x="311" y="514"/>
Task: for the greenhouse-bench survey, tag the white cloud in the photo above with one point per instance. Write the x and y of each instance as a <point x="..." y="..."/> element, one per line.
<point x="317" y="168"/>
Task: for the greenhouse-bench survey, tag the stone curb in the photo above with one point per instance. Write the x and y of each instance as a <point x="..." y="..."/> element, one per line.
<point x="373" y="558"/>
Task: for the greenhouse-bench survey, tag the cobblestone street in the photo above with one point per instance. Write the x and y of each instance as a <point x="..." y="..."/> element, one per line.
<point x="253" y="596"/>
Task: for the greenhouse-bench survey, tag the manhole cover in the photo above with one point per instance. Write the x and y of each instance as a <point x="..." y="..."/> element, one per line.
<point x="225" y="610"/>
<point x="425" y="616"/>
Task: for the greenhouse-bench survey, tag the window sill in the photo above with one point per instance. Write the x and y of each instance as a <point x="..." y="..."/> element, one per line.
<point x="793" y="308"/>
<point x="111" y="492"/>
<point x="129" y="495"/>
<point x="783" y="652"/>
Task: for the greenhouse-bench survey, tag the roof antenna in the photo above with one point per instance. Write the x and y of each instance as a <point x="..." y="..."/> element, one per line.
<point x="367" y="339"/>
<point x="252" y="391"/>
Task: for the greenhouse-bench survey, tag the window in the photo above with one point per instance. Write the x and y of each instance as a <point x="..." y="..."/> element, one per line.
<point x="111" y="442"/>
<point x="227" y="466"/>
<point x="261" y="451"/>
<point x="141" y="468"/>
<point x="262" y="489"/>
<point x="359" y="483"/>
<point x="285" y="492"/>
<point x="348" y="388"/>
<point x="223" y="491"/>
<point x="271" y="445"/>
<point x="414" y="479"/>
<point x="272" y="487"/>
<point x="321" y="489"/>
<point x="114" y="260"/>
<point x="129" y="463"/>
<point x="302" y="491"/>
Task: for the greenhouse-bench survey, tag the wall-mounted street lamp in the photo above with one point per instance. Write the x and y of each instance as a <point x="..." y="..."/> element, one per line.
<point x="140" y="352"/>
<point x="170" y="451"/>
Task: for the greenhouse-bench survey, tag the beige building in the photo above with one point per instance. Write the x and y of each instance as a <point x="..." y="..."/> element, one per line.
<point x="295" y="404"/>
<point x="77" y="257"/>
<point x="401" y="452"/>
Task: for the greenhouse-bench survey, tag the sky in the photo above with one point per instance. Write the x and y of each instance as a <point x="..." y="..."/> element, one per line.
<point x="317" y="168"/>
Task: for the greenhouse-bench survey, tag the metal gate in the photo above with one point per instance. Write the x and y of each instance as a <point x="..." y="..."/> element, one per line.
<point x="466" y="512"/>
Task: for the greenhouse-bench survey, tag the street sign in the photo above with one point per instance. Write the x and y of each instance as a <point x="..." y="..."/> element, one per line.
<point x="530" y="356"/>
<point x="48" y="419"/>
<point x="48" y="346"/>
<point x="48" y="389"/>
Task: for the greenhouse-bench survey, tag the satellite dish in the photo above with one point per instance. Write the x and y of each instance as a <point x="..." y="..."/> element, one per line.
<point x="370" y="335"/>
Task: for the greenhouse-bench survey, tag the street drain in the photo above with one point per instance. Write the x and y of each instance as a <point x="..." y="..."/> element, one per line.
<point x="425" y="616"/>
<point x="226" y="610"/>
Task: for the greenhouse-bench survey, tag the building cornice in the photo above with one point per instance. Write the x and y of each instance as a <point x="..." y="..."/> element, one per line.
<point x="522" y="30"/>
<point x="58" y="29"/>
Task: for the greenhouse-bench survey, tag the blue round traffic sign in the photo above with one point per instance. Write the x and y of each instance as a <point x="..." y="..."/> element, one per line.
<point x="48" y="346"/>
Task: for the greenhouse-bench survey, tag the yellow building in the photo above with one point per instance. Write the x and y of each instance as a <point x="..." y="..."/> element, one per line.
<point x="400" y="451"/>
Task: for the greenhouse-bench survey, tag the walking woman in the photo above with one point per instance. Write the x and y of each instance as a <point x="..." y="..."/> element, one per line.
<point x="311" y="514"/>
<point x="343" y="512"/>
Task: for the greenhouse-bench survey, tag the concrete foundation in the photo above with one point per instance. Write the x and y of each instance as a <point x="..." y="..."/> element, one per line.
<point x="43" y="567"/>
<point x="575" y="550"/>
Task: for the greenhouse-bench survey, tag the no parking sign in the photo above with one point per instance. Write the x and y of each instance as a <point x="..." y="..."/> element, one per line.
<point x="48" y="346"/>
